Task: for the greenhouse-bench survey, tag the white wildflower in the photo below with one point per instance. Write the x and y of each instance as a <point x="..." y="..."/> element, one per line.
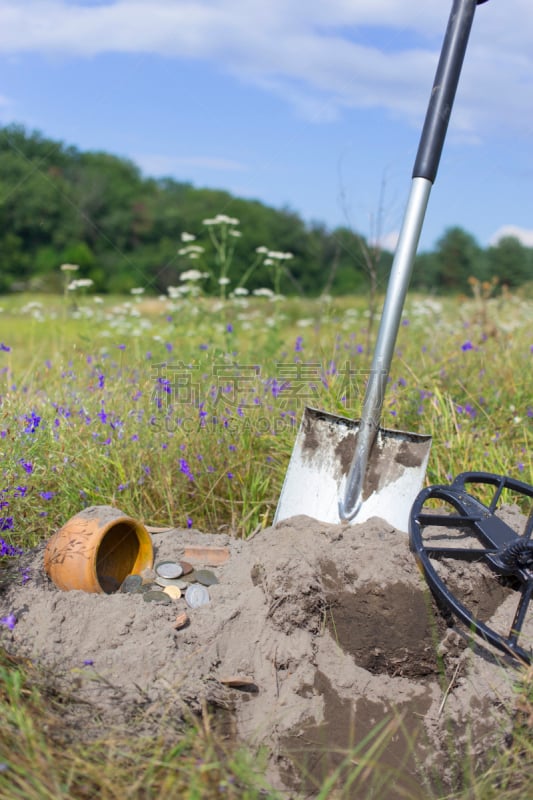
<point x="262" y="249"/>
<point x="224" y="281"/>
<point x="193" y="275"/>
<point x="240" y="291"/>
<point x="263" y="292"/>
<point x="137" y="290"/>
<point x="190" y="249"/>
<point x="235" y="233"/>
<point x="69" y="268"/>
<point x="187" y="237"/>
<point x="221" y="219"/>
<point x="79" y="283"/>
<point x="279" y="256"/>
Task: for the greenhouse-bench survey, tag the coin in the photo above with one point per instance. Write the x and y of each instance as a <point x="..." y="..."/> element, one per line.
<point x="190" y="577"/>
<point x="131" y="583"/>
<point x="186" y="567"/>
<point x="206" y="577"/>
<point x="169" y="569"/>
<point x="197" y="596"/>
<point x="156" y="597"/>
<point x="179" y="582"/>
<point x="146" y="587"/>
<point x="173" y="592"/>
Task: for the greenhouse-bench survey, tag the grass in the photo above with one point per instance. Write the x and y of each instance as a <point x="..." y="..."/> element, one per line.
<point x="184" y="411"/>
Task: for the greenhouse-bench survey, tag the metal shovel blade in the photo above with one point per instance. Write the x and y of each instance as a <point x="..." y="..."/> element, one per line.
<point x="320" y="461"/>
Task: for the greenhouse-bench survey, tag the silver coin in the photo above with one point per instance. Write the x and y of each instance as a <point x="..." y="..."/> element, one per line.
<point x="197" y="596"/>
<point x="131" y="583"/>
<point x="156" y="597"/>
<point x="206" y="577"/>
<point x="169" y="569"/>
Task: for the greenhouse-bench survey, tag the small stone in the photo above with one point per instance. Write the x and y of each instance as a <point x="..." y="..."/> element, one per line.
<point x="181" y="620"/>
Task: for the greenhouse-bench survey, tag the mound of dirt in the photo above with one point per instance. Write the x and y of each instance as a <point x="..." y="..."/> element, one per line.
<point x="317" y="641"/>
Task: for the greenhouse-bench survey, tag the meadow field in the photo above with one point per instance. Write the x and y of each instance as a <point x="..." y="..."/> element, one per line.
<point x="182" y="410"/>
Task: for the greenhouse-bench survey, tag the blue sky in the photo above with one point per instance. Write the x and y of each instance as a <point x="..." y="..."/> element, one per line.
<point x="302" y="104"/>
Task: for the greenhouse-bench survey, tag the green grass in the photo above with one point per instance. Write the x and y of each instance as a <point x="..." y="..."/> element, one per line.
<point x="176" y="412"/>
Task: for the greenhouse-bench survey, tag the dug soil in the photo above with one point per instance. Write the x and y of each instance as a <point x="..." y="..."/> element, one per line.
<point x="321" y="646"/>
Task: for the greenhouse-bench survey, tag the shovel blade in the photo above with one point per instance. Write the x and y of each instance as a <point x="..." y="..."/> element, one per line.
<point x="320" y="460"/>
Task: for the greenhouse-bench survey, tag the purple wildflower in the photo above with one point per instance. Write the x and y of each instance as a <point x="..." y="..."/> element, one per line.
<point x="4" y="348"/>
<point x="8" y="549"/>
<point x="10" y="621"/>
<point x="467" y="346"/>
<point x="32" y="421"/>
<point x="185" y="469"/>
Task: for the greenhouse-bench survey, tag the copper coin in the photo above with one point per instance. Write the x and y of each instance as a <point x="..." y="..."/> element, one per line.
<point x="186" y="567"/>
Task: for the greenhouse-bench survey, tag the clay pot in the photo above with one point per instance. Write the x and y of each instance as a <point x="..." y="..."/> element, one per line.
<point x="96" y="549"/>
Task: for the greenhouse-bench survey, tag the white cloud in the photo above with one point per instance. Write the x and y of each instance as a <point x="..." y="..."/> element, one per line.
<point x="161" y="165"/>
<point x="389" y="241"/>
<point x="524" y="235"/>
<point x="321" y="58"/>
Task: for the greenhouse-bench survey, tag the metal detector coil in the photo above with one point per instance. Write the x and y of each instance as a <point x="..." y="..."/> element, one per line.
<point x="461" y="530"/>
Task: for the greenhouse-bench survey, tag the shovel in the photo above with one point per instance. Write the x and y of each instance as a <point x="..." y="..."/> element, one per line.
<point x="351" y="470"/>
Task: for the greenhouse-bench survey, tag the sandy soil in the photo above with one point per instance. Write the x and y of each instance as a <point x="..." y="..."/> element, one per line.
<point x="331" y="630"/>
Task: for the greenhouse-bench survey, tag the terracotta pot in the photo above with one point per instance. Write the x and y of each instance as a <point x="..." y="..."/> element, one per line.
<point x="96" y="549"/>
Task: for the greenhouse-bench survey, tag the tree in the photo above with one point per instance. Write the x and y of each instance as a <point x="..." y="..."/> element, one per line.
<point x="457" y="257"/>
<point x="510" y="262"/>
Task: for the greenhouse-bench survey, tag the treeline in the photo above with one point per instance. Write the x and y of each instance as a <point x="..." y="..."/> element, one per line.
<point x="59" y="205"/>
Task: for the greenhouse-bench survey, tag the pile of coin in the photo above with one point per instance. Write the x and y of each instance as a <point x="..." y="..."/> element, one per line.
<point x="168" y="581"/>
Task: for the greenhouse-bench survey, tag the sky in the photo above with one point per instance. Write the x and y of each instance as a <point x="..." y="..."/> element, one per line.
<point x="302" y="104"/>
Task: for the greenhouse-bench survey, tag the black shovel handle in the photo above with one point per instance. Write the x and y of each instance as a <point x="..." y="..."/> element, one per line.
<point x="444" y="88"/>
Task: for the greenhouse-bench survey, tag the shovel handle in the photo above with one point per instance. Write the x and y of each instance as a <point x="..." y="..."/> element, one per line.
<point x="444" y="88"/>
<point x="424" y="172"/>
